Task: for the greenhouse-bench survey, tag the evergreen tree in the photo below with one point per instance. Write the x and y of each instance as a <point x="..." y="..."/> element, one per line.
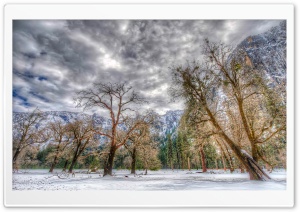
<point x="170" y="152"/>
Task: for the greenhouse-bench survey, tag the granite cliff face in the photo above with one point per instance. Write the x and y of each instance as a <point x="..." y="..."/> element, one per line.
<point x="267" y="52"/>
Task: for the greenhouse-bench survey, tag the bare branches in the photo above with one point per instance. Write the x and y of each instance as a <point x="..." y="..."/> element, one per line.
<point x="117" y="100"/>
<point x="228" y="98"/>
<point x="26" y="133"/>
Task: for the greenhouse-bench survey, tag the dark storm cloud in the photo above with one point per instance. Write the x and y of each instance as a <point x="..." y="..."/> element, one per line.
<point x="54" y="59"/>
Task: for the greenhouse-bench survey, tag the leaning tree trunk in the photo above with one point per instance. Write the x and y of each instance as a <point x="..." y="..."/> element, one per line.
<point x="75" y="157"/>
<point x="133" y="157"/>
<point x="65" y="165"/>
<point x="73" y="163"/>
<point x="203" y="162"/>
<point x="255" y="172"/>
<point x="53" y="164"/>
<point x="16" y="155"/>
<point x="55" y="161"/>
<point x="189" y="164"/>
<point x="108" y="166"/>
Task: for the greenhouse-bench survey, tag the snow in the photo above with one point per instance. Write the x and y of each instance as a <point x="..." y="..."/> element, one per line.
<point x="155" y="180"/>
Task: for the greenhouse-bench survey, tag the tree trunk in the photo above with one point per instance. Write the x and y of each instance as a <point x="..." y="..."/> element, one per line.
<point x="55" y="158"/>
<point x="223" y="161"/>
<point x="133" y="157"/>
<point x="178" y="160"/>
<point x="108" y="166"/>
<point x="255" y="172"/>
<point x="73" y="163"/>
<point x="189" y="164"/>
<point x="53" y="164"/>
<point x="65" y="165"/>
<point x="203" y="162"/>
<point x="216" y="163"/>
<point x="16" y="155"/>
<point x="229" y="158"/>
<point x="255" y="155"/>
<point x="242" y="168"/>
<point x="182" y="163"/>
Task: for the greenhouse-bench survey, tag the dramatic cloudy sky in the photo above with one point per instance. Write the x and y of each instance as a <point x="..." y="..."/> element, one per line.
<point x="54" y="59"/>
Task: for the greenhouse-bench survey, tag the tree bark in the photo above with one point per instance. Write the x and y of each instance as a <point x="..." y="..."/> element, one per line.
<point x="74" y="159"/>
<point x="182" y="162"/>
<point x="216" y="163"/>
<point x="73" y="163"/>
<point x="223" y="161"/>
<point x="189" y="164"/>
<point x="178" y="159"/>
<point x="65" y="165"/>
<point x="53" y="164"/>
<point x="55" y="159"/>
<point x="229" y="158"/>
<point x="133" y="157"/>
<point x="109" y="163"/>
<point x="16" y="155"/>
<point x="203" y="162"/>
<point x="254" y="150"/>
<point x="242" y="168"/>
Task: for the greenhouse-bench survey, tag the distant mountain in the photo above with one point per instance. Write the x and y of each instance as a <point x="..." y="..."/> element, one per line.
<point x="267" y="51"/>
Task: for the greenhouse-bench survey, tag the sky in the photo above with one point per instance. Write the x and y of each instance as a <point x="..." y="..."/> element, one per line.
<point x="53" y="59"/>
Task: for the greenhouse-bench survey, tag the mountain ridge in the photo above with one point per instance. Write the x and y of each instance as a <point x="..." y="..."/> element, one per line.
<point x="167" y="123"/>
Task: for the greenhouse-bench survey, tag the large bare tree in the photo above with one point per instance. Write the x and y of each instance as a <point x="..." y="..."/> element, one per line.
<point x="117" y="100"/>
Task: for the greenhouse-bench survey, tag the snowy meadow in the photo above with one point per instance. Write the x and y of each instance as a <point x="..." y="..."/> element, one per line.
<point x="155" y="180"/>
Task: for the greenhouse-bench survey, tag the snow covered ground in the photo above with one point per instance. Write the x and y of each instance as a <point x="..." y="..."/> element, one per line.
<point x="155" y="180"/>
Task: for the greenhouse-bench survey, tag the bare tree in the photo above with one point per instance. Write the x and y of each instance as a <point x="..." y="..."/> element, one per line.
<point x="26" y="133"/>
<point x="148" y="154"/>
<point x="140" y="135"/>
<point x="82" y="135"/>
<point x="117" y="101"/>
<point x="134" y="141"/>
<point x="60" y="140"/>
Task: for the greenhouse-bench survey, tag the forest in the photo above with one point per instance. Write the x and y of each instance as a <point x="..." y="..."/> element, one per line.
<point x="234" y="119"/>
